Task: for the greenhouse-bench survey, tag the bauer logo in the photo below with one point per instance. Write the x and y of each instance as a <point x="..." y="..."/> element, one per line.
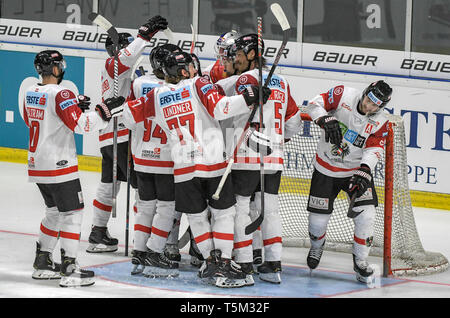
<point x="172" y="97"/>
<point x="318" y="203"/>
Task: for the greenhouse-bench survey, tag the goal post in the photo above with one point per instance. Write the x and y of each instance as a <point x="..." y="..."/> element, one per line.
<point x="395" y="237"/>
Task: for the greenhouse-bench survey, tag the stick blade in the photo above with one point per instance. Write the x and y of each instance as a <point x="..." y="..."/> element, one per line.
<point x="280" y="16"/>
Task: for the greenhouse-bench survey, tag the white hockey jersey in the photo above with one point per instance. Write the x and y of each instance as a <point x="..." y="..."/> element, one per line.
<point x="149" y="143"/>
<point x="281" y="121"/>
<point x="189" y="112"/>
<point x="127" y="58"/>
<point x="363" y="136"/>
<point x="52" y="114"/>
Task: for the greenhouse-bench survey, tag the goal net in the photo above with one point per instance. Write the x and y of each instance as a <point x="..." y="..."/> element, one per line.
<point x="395" y="235"/>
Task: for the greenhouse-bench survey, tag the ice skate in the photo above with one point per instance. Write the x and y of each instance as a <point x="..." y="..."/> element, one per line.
<point x="248" y="270"/>
<point x="314" y="256"/>
<point x="100" y="241"/>
<point x="172" y="252"/>
<point x="364" y="272"/>
<point x="44" y="267"/>
<point x="270" y="272"/>
<point x="72" y="275"/>
<point x="158" y="265"/>
<point x="138" y="262"/>
<point x="229" y="274"/>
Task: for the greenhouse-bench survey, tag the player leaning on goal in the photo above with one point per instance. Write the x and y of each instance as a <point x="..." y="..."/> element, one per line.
<point x="355" y="129"/>
<point x="53" y="113"/>
<point x="130" y="50"/>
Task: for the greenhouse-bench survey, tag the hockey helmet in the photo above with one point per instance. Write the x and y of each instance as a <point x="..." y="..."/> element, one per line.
<point x="158" y="53"/>
<point x="225" y="40"/>
<point x="246" y="43"/>
<point x="124" y="40"/>
<point x="176" y="61"/>
<point x="379" y="93"/>
<point x="46" y="60"/>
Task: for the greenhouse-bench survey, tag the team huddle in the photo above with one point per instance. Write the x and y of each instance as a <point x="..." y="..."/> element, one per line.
<point x="193" y="134"/>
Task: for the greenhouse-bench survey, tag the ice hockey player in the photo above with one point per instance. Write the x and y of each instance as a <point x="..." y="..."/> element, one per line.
<point x="217" y="71"/>
<point x="130" y="50"/>
<point x="188" y="109"/>
<point x="53" y="114"/>
<point x="281" y="121"/>
<point x="354" y="132"/>
<point x="156" y="216"/>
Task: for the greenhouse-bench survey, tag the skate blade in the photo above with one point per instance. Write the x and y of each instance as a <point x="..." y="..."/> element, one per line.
<point x="274" y="278"/>
<point x="45" y="274"/>
<point x="76" y="281"/>
<point x="101" y="248"/>
<point x="224" y="282"/>
<point x="156" y="272"/>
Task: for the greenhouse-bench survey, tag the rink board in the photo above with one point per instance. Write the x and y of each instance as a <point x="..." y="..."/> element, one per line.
<point x="296" y="282"/>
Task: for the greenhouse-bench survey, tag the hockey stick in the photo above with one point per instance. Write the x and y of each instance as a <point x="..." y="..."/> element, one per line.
<point x="169" y="34"/>
<point x="127" y="220"/>
<point x="112" y="32"/>
<point x="350" y="213"/>
<point x="194" y="39"/>
<point x="282" y="20"/>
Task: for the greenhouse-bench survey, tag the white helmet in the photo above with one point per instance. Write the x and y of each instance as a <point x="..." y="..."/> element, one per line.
<point x="225" y="40"/>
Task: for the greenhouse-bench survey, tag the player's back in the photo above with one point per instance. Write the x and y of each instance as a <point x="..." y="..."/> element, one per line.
<point x="51" y="119"/>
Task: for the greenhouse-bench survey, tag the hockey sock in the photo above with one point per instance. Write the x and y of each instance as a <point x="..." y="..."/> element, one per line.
<point x="202" y="232"/>
<point x="103" y="204"/>
<point x="161" y="226"/>
<point x="70" y="231"/>
<point x="317" y="227"/>
<point x="175" y="232"/>
<point x="270" y="227"/>
<point x="223" y="230"/>
<point x="243" y="251"/>
<point x="363" y="237"/>
<point x="49" y="230"/>
<point x="143" y="223"/>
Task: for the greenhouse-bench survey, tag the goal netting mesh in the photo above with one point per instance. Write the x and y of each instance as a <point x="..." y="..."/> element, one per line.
<point x="408" y="256"/>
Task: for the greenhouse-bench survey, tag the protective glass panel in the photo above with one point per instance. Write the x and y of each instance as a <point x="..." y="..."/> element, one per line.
<point x="364" y="23"/>
<point x="220" y="16"/>
<point x="431" y="26"/>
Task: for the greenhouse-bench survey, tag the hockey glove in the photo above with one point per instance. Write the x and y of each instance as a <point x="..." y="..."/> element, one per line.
<point x="251" y="94"/>
<point x="258" y="142"/>
<point x="111" y="107"/>
<point x="148" y="30"/>
<point x="332" y="129"/>
<point x="83" y="102"/>
<point x="360" y="181"/>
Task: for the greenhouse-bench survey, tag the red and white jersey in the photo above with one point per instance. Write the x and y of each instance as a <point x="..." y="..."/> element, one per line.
<point x="52" y="114"/>
<point x="281" y="121"/>
<point x="215" y="72"/>
<point x="363" y="136"/>
<point x="149" y="144"/>
<point x="189" y="113"/>
<point x="127" y="58"/>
